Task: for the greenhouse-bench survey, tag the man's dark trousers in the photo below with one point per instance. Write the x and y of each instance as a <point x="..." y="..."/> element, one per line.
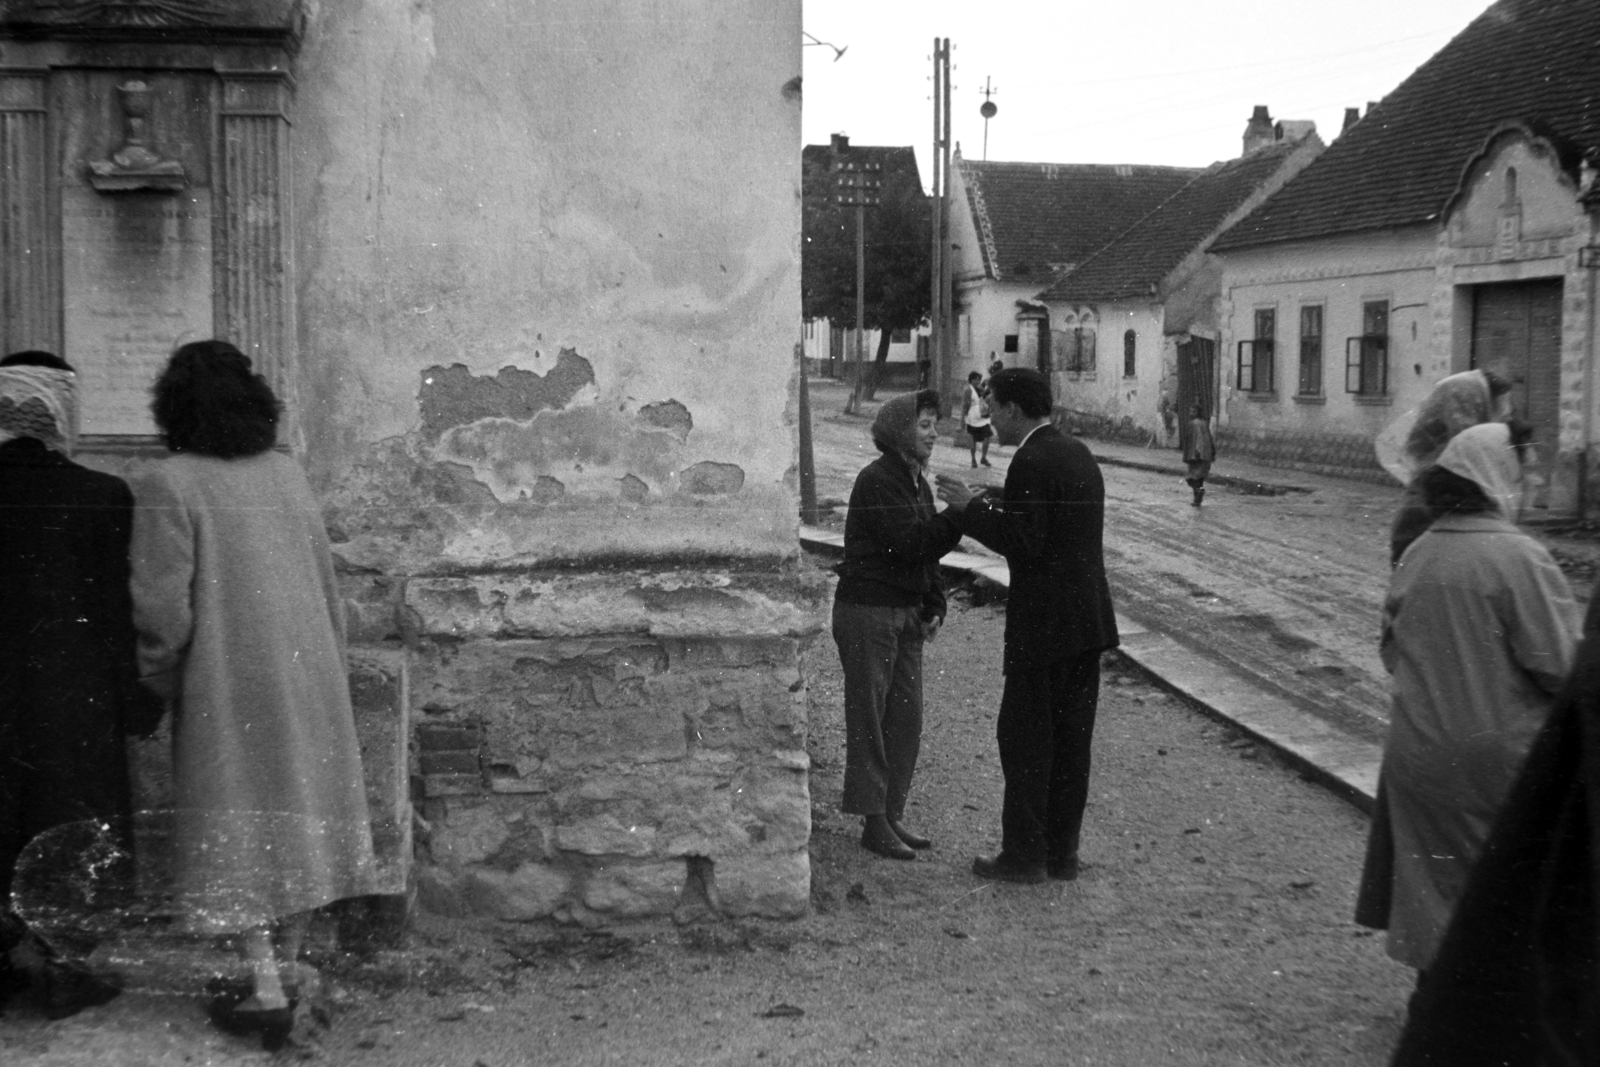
<point x="1045" y="729"/>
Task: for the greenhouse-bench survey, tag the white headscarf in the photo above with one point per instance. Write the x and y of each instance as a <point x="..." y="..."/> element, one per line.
<point x="39" y="402"/>
<point x="1484" y="454"/>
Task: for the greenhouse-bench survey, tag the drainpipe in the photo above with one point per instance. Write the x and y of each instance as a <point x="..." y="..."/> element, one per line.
<point x="1591" y="272"/>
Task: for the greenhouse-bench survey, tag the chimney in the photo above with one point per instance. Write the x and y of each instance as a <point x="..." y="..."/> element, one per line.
<point x="1258" y="132"/>
<point x="841" y="143"/>
<point x="1352" y="115"/>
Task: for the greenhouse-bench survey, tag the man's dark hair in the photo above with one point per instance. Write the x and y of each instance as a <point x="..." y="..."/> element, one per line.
<point x="209" y="401"/>
<point x="1028" y="389"/>
<point x="35" y="357"/>
<point x="1446" y="493"/>
<point x="975" y="376"/>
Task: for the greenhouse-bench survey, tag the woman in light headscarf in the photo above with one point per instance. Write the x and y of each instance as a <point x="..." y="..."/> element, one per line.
<point x="1479" y="632"/>
<point x="888" y="603"/>
<point x="68" y="685"/>
<point x="1414" y="442"/>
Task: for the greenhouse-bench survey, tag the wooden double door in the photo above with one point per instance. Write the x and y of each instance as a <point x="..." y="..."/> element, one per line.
<point x="1516" y="333"/>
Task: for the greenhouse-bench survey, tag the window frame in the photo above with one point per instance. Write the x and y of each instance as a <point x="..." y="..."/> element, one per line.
<point x="1366" y="356"/>
<point x="1312" y="346"/>
<point x="1130" y="347"/>
<point x="1255" y="374"/>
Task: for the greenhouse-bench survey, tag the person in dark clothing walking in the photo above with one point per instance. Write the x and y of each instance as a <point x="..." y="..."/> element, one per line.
<point x="1199" y="453"/>
<point x="69" y="690"/>
<point x="889" y="602"/>
<point x="1048" y="523"/>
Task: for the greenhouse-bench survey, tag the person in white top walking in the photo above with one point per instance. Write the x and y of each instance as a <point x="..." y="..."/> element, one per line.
<point x="975" y="417"/>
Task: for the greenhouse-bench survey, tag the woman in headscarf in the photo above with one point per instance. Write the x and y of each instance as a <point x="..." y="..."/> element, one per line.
<point x="1517" y="976"/>
<point x="68" y="685"/>
<point x="241" y="628"/>
<point x="889" y="602"/>
<point x="1479" y="631"/>
<point x="1411" y="446"/>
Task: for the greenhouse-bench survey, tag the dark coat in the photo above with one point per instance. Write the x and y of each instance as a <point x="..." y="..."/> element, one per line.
<point x="68" y="680"/>
<point x="1049" y="525"/>
<point x="893" y="541"/>
<point x="1517" y="976"/>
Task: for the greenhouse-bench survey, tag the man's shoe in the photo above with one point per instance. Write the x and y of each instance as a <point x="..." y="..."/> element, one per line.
<point x="1063" y="870"/>
<point x="878" y="837"/>
<point x="985" y="461"/>
<point x="914" y="840"/>
<point x="1000" y="869"/>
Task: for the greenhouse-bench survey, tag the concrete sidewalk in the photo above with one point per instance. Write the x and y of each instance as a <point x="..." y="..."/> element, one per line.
<point x="1344" y="763"/>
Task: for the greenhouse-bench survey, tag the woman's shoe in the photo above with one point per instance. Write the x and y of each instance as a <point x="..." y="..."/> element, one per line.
<point x="877" y="836"/>
<point x="914" y="840"/>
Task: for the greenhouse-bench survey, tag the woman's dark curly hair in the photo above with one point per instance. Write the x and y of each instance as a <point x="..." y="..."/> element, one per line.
<point x="209" y="401"/>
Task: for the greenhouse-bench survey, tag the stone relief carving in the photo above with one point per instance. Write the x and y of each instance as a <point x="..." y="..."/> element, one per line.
<point x="135" y="165"/>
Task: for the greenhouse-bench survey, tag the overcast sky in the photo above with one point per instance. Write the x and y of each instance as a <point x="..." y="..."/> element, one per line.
<point x="1113" y="81"/>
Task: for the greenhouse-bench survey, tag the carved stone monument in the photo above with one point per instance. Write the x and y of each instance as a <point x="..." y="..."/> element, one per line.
<point x="143" y="191"/>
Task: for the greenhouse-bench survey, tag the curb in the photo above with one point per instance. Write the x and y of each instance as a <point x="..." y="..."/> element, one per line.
<point x="1347" y="766"/>
<point x="1249" y="486"/>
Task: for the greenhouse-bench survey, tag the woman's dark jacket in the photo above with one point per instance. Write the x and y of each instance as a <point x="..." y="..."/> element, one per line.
<point x="893" y="541"/>
<point x="68" y="680"/>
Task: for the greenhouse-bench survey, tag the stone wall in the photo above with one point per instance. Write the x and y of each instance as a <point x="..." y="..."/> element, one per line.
<point x="597" y="746"/>
<point x="1341" y="454"/>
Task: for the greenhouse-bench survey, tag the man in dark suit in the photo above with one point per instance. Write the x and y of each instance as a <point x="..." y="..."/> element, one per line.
<point x="1048" y="524"/>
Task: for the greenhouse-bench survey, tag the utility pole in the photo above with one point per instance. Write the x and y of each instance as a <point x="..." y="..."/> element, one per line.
<point x="858" y="185"/>
<point x="987" y="109"/>
<point x="936" y="312"/>
<point x="940" y="311"/>
<point x="808" y="461"/>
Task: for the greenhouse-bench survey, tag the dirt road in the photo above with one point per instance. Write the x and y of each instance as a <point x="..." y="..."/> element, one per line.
<point x="1210" y="926"/>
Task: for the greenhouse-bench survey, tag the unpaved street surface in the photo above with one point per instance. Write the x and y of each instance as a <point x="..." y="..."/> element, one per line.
<point x="1210" y="926"/>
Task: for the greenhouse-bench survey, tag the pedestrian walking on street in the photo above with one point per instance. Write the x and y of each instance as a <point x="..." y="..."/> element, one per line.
<point x="1479" y="631"/>
<point x="1048" y="523"/>
<point x="1517" y="978"/>
<point x="975" y="417"/>
<point x="1414" y="442"/>
<point x="889" y="603"/>
<point x="1199" y="452"/>
<point x="241" y="629"/>
<point x="69" y="691"/>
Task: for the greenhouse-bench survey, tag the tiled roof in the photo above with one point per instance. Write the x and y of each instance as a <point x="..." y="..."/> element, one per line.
<point x="1136" y="261"/>
<point x="1031" y="216"/>
<point x="1530" y="61"/>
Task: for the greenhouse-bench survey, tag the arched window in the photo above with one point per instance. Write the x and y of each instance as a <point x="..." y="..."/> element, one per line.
<point x="1130" y="342"/>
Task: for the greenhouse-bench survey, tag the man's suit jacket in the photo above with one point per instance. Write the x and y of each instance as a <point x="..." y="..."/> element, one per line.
<point x="1048" y="524"/>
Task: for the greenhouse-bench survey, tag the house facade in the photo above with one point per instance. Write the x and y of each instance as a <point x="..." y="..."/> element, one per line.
<point x="1452" y="227"/>
<point x="1134" y="328"/>
<point x="1014" y="228"/>
<point x="538" y="362"/>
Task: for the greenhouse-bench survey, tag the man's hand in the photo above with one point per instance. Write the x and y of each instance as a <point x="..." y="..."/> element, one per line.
<point x="955" y="492"/>
<point x="930" y="628"/>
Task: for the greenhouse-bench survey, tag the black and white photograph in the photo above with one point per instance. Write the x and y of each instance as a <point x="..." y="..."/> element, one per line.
<point x="799" y="532"/>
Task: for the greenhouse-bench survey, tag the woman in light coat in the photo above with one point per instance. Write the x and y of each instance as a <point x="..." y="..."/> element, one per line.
<point x="241" y="629"/>
<point x="1479" y="633"/>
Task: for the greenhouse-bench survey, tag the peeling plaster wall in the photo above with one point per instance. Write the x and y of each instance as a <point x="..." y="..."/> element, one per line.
<point x="548" y="293"/>
<point x="512" y="198"/>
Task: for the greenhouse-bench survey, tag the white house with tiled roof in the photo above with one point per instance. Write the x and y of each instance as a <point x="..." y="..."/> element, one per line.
<point x="1454" y="226"/>
<point x="1015" y="227"/>
<point x="1151" y="295"/>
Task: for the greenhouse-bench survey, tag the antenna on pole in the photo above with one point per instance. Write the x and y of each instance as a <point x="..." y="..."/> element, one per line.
<point x="987" y="109"/>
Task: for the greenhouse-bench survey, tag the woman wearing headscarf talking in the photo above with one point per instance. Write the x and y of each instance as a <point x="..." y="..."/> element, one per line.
<point x="1415" y="441"/>
<point x="889" y="602"/>
<point x="1479" y="632"/>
